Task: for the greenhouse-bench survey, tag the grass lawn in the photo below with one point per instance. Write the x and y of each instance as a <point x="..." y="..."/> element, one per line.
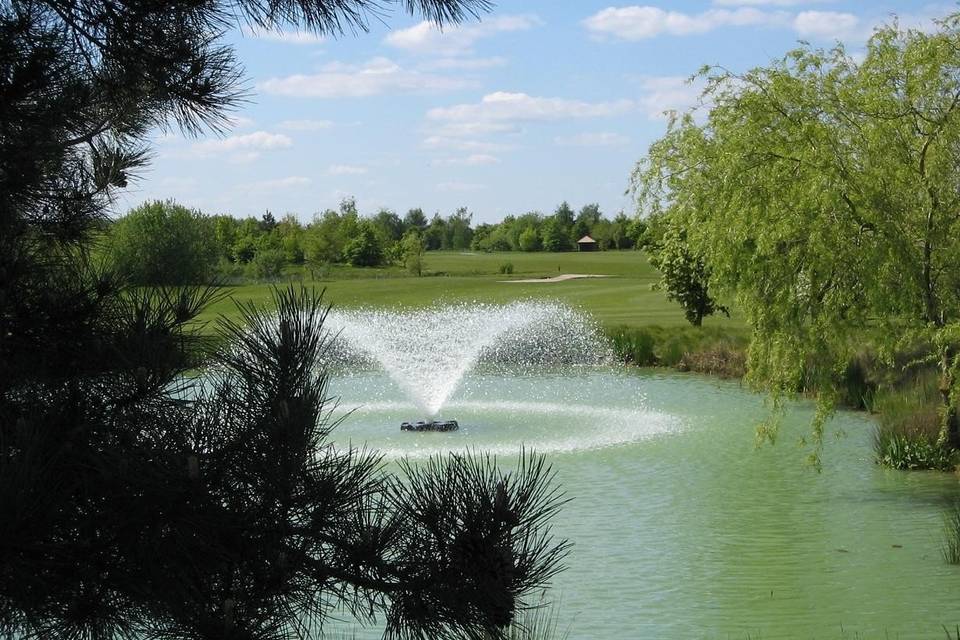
<point x="624" y="298"/>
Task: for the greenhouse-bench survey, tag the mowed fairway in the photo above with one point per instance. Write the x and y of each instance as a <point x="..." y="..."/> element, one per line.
<point x="625" y="297"/>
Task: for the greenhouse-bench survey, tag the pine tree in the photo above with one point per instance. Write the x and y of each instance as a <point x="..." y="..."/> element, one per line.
<point x="134" y="504"/>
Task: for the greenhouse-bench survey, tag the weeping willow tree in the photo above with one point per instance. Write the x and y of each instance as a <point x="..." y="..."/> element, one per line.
<point x="823" y="191"/>
<point x="133" y="505"/>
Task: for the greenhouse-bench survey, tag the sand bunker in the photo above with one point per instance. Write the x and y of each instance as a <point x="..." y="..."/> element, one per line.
<point x="566" y="276"/>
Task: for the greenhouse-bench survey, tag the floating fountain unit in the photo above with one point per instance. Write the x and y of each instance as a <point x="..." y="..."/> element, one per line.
<point x="432" y="425"/>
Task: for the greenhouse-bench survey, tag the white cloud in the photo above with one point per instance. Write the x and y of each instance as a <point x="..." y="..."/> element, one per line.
<point x="256" y="141"/>
<point x="641" y="22"/>
<point x="374" y="77"/>
<point x="427" y="38"/>
<point x="287" y="37"/>
<point x="826" y="24"/>
<point x="456" y="185"/>
<point x="598" y="139"/>
<point x="468" y="129"/>
<point x="305" y="125"/>
<point x="179" y="184"/>
<point x="277" y="184"/>
<point x="669" y="93"/>
<point x="345" y="170"/>
<point x="169" y="137"/>
<point x="442" y="143"/>
<point x="239" y="122"/>
<point x="473" y="160"/>
<point x="505" y="107"/>
<point x="464" y="64"/>
<point x="245" y="157"/>
<point x="767" y="3"/>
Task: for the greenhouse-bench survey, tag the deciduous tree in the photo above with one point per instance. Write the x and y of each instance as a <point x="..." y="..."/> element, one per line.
<point x="821" y="191"/>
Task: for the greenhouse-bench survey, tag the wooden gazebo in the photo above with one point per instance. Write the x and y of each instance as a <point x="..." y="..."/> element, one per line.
<point x="586" y="243"/>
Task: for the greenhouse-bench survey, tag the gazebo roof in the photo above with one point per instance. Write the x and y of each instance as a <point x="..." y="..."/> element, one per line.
<point x="586" y="240"/>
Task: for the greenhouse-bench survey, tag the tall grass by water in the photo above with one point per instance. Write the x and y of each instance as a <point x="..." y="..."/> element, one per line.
<point x="951" y="536"/>
<point x="908" y="426"/>
<point x="717" y="351"/>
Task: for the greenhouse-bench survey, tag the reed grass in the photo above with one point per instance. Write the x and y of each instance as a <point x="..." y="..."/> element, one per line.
<point x="908" y="427"/>
<point x="713" y="350"/>
<point x="951" y="536"/>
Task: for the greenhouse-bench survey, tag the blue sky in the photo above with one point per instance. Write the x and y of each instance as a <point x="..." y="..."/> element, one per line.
<point x="540" y="101"/>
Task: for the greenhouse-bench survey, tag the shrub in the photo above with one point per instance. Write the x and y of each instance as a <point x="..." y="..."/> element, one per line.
<point x="506" y="268"/>
<point x="411" y="252"/>
<point x="228" y="272"/>
<point x="163" y="243"/>
<point x="364" y="250"/>
<point x="529" y="240"/>
<point x="267" y="264"/>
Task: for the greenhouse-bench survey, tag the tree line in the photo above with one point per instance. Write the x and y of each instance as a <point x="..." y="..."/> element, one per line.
<point x="164" y="243"/>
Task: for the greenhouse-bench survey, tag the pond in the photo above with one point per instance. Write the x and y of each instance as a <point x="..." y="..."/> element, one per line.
<point x="682" y="528"/>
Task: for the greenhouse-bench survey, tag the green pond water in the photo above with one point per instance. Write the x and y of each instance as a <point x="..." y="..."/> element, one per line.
<point x="681" y="527"/>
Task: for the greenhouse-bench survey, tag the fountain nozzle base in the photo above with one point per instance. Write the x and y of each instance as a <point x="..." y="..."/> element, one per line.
<point x="432" y="425"/>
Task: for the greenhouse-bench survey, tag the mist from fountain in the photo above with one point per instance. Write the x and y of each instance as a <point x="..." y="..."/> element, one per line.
<point x="427" y="352"/>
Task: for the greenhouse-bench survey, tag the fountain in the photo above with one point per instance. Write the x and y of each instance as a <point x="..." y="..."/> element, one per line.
<point x="427" y="352"/>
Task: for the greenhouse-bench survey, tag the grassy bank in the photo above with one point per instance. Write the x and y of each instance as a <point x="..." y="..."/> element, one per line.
<point x="623" y="298"/>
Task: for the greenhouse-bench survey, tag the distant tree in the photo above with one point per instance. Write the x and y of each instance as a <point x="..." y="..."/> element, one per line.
<point x="414" y="219"/>
<point x="497" y="241"/>
<point x="291" y="235"/>
<point x="480" y="233"/>
<point x="163" y="243"/>
<point x="564" y="215"/>
<point x="244" y="249"/>
<point x="326" y="238"/>
<point x="590" y="214"/>
<point x="530" y="240"/>
<point x="555" y="236"/>
<point x="516" y="225"/>
<point x="563" y="229"/>
<point x="579" y="230"/>
<point x="348" y="207"/>
<point x="267" y="222"/>
<point x="268" y="263"/>
<point x="365" y="250"/>
<point x="436" y="235"/>
<point x="458" y="228"/>
<point x="320" y="241"/>
<point x="389" y="226"/>
<point x="246" y="240"/>
<point x="412" y="246"/>
<point x="225" y="234"/>
<point x="603" y="232"/>
<point x="637" y="232"/>
<point x="623" y="234"/>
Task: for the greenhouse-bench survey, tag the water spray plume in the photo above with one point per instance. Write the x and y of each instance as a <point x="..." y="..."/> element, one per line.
<point x="427" y="352"/>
